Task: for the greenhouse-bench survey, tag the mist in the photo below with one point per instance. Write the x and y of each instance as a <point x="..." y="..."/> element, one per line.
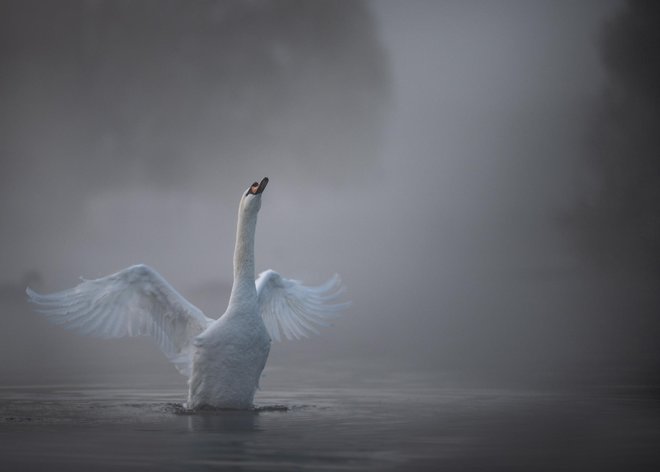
<point x="428" y="152"/>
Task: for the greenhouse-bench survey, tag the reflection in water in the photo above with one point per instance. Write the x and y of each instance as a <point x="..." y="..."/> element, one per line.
<point x="223" y="438"/>
<point x="224" y="421"/>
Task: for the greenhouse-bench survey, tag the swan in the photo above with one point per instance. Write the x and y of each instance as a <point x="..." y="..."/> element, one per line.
<point x="223" y="358"/>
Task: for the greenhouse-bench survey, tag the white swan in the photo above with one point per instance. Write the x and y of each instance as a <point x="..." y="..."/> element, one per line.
<point x="222" y="358"/>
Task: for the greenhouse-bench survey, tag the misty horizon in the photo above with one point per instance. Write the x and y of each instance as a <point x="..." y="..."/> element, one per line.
<point x="428" y="153"/>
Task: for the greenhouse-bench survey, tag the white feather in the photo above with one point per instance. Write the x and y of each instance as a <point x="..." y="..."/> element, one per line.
<point x="136" y="301"/>
<point x="295" y="310"/>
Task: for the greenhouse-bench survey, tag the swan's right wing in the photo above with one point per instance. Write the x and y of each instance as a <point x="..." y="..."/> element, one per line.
<point x="136" y="301"/>
<point x="296" y="310"/>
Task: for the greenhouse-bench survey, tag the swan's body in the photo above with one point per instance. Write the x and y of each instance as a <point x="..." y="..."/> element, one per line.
<point x="222" y="358"/>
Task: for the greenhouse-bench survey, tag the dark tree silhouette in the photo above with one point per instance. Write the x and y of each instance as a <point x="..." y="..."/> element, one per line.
<point x="618" y="218"/>
<point x="121" y="91"/>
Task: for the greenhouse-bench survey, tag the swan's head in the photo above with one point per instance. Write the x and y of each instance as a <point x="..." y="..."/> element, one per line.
<point x="251" y="201"/>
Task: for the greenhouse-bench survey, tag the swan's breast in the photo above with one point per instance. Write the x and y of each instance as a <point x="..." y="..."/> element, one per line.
<point x="229" y="358"/>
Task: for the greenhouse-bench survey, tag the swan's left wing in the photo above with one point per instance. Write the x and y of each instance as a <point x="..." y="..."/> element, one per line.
<point x="290" y="308"/>
<point x="136" y="301"/>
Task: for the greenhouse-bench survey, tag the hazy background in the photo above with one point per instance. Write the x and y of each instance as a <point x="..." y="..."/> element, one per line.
<point x="482" y="174"/>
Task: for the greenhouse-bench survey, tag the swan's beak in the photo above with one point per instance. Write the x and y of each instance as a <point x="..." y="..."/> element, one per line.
<point x="258" y="187"/>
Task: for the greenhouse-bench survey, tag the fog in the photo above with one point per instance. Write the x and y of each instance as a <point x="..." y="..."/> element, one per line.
<point x="431" y="153"/>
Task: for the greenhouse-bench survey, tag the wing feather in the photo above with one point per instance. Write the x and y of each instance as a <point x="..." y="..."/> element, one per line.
<point x="293" y="310"/>
<point x="136" y="301"/>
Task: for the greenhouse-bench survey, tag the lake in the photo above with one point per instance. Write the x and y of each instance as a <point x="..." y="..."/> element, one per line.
<point x="405" y="423"/>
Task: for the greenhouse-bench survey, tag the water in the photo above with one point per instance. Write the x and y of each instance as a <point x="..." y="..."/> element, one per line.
<point x="391" y="425"/>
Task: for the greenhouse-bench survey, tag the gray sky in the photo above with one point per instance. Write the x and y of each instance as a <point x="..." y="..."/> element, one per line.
<point x="425" y="151"/>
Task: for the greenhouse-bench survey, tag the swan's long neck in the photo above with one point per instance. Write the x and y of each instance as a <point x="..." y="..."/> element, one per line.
<point x="244" y="290"/>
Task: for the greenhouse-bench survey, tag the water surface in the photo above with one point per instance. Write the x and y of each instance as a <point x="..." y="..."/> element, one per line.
<point x="386" y="426"/>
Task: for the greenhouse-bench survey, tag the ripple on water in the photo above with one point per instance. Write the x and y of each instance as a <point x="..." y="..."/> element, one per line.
<point x="180" y="409"/>
<point x="328" y="429"/>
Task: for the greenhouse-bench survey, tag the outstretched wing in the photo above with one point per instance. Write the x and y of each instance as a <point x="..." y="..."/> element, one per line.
<point x="136" y="301"/>
<point x="293" y="309"/>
